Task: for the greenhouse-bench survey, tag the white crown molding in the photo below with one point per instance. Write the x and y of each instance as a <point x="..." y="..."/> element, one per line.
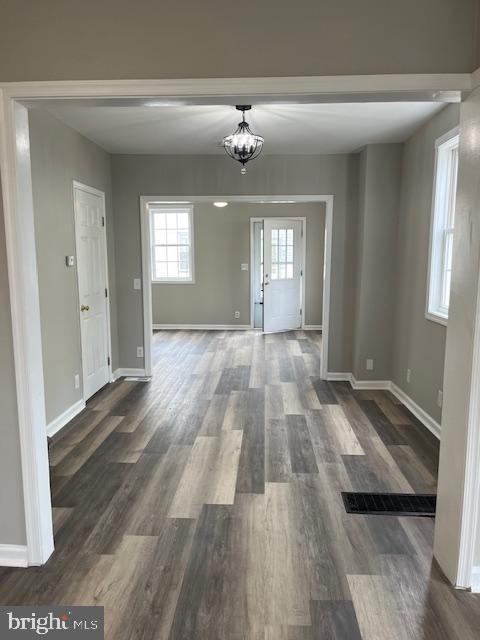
<point x="55" y="425"/>
<point x="123" y="372"/>
<point x="13" y="555"/>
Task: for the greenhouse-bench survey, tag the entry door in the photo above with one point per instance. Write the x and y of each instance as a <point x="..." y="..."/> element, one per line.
<point x="283" y="264"/>
<point x="92" y="288"/>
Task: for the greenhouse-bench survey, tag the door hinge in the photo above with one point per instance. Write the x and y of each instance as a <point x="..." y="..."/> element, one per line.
<point x="103" y="221"/>
<point x="106" y="293"/>
<point x="300" y="311"/>
<point x="301" y="272"/>
<point x="108" y="360"/>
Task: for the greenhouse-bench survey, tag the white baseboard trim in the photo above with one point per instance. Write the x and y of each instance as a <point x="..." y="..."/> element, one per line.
<point x="201" y="327"/>
<point x="313" y="327"/>
<point x="425" y="418"/>
<point x="370" y="384"/>
<point x="339" y="376"/>
<point x="134" y="373"/>
<point x="13" y="555"/>
<point x="63" y="419"/>
<point x="476" y="580"/>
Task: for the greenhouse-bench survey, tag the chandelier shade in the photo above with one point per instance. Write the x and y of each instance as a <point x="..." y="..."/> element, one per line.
<point x="243" y="145"/>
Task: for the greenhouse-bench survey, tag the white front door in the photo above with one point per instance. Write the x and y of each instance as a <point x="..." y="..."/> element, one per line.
<point x="92" y="288"/>
<point x="283" y="265"/>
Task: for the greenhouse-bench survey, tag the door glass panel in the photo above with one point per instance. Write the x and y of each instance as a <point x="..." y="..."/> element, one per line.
<point x="282" y="254"/>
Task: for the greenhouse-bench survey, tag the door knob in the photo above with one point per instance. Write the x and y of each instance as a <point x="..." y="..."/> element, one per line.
<point x="84" y="307"/>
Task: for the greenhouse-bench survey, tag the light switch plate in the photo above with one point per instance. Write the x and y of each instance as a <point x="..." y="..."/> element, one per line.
<point x="137" y="284"/>
<point x="244" y="266"/>
<point x="70" y="261"/>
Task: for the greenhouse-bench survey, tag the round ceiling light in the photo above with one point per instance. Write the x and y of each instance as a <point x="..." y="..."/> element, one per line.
<point x="220" y="205"/>
<point x="243" y="145"/>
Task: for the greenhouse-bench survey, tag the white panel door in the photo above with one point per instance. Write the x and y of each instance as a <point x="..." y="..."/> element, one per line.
<point x="283" y="264"/>
<point x="92" y="289"/>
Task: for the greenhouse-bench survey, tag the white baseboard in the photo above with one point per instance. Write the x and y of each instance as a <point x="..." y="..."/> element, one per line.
<point x="339" y="376"/>
<point x="424" y="417"/>
<point x="13" y="555"/>
<point x="134" y="373"/>
<point x="387" y="385"/>
<point x="63" y="419"/>
<point x="313" y="327"/>
<point x="476" y="580"/>
<point x="202" y="327"/>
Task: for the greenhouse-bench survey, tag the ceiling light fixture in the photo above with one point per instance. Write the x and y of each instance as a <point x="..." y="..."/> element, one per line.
<point x="220" y="205"/>
<point x="243" y="145"/>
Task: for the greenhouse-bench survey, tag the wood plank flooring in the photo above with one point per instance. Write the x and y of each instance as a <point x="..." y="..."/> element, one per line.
<point x="205" y="505"/>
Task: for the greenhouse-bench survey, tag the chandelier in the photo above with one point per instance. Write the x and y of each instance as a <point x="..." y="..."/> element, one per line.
<point x="243" y="145"/>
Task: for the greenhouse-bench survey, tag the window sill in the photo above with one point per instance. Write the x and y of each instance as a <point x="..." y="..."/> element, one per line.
<point x="437" y="317"/>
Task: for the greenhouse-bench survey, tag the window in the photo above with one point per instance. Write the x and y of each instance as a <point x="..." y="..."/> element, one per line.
<point x="172" y="243"/>
<point x="282" y="254"/>
<point x="442" y="227"/>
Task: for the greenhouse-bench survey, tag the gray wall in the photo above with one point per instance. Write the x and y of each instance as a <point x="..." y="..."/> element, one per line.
<point x="215" y="175"/>
<point x="376" y="266"/>
<point x="59" y="156"/>
<point x="222" y="243"/>
<point x="54" y="39"/>
<point x="419" y="343"/>
<point x="12" y="522"/>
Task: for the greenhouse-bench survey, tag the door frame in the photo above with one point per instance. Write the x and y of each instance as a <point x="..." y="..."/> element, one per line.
<point x="101" y="194"/>
<point x="303" y="220"/>
<point x="15" y="167"/>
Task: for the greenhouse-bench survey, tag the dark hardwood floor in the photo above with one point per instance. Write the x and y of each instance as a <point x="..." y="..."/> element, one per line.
<point x="205" y="505"/>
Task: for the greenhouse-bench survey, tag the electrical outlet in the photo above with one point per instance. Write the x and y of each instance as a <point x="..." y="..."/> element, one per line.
<point x="237" y="314"/>
<point x="139" y="352"/>
<point x="369" y="365"/>
<point x="409" y="374"/>
<point x="77" y="381"/>
<point x="244" y="266"/>
<point x="440" y="398"/>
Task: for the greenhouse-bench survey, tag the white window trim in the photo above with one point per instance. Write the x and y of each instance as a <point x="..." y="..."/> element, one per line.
<point x="166" y="206"/>
<point x="432" y="311"/>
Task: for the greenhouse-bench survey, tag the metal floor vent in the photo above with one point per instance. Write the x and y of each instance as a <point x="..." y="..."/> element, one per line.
<point x="390" y="504"/>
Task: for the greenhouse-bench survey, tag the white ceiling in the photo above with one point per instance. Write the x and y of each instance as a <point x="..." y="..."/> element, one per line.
<point x="287" y="128"/>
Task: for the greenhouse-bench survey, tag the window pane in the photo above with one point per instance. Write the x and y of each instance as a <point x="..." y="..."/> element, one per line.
<point x="183" y="220"/>
<point x="282" y="236"/>
<point x="160" y="237"/>
<point x="274" y="273"/>
<point x="161" y="254"/>
<point x="274" y="237"/>
<point x="290" y="254"/>
<point x="171" y="220"/>
<point x="289" y="271"/>
<point x="282" y="253"/>
<point x="274" y="253"/>
<point x="161" y="270"/>
<point x="172" y="237"/>
<point x="172" y="269"/>
<point x="183" y="237"/>
<point x="159" y="220"/>
<point x="282" y="272"/>
<point x="290" y="236"/>
<point x="172" y="254"/>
